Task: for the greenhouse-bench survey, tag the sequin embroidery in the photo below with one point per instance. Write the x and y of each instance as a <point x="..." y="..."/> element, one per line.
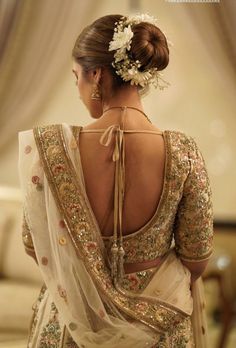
<point x="185" y="209"/>
<point x="83" y="229"/>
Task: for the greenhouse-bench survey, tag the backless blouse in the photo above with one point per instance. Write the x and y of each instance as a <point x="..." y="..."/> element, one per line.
<point x="184" y="214"/>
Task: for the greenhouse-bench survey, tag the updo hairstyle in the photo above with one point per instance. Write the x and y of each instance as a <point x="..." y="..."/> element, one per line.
<point x="91" y="49"/>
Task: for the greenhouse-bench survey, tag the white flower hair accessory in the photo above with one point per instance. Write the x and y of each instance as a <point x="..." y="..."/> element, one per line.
<point x="126" y="67"/>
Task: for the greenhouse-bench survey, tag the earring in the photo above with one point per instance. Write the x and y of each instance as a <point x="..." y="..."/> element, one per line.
<point x="96" y="94"/>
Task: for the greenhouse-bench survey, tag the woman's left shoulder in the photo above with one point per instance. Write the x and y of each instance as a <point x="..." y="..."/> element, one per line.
<point x="181" y="138"/>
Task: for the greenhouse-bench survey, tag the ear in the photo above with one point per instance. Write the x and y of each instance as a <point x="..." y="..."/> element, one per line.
<point x="95" y="75"/>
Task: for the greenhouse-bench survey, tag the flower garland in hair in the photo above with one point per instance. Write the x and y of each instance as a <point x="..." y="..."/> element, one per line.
<point x="126" y="67"/>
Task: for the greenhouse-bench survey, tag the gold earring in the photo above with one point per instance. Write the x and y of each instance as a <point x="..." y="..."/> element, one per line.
<point x="96" y="94"/>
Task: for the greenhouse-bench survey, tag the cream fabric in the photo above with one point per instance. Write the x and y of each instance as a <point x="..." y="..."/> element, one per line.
<point x="83" y="312"/>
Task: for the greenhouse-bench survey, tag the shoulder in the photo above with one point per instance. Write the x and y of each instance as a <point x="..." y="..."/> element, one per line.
<point x="29" y="133"/>
<point x="183" y="141"/>
<point x="181" y="136"/>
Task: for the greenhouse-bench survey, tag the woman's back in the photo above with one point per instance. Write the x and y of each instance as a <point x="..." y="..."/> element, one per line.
<point x="122" y="289"/>
<point x="144" y="173"/>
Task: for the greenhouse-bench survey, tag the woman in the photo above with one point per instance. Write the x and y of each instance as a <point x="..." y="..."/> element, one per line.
<point x="119" y="270"/>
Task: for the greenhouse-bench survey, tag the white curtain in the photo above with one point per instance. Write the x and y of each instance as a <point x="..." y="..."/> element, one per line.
<point x="36" y="40"/>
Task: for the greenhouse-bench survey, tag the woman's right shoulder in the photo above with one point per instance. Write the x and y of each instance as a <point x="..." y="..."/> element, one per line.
<point x="45" y="127"/>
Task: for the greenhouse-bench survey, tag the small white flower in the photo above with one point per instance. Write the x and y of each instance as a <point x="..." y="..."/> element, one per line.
<point x="121" y="39"/>
<point x="124" y="66"/>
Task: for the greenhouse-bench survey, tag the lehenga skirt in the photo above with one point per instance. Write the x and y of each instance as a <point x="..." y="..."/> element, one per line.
<point x="47" y="328"/>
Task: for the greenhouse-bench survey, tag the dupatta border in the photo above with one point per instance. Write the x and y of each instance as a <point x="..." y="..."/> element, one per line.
<point x="72" y="205"/>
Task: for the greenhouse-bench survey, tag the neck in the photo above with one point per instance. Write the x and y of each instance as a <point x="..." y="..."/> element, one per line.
<point x="128" y="96"/>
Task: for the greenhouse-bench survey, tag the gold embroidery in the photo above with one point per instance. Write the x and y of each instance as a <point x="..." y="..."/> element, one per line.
<point x="181" y="336"/>
<point x="26" y="235"/>
<point x="35" y="318"/>
<point x="62" y="240"/>
<point x="51" y="333"/>
<point x="82" y="228"/>
<point x="189" y="217"/>
<point x="137" y="281"/>
<point x="194" y="218"/>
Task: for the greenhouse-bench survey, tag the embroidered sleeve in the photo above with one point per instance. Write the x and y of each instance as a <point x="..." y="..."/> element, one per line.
<point x="193" y="228"/>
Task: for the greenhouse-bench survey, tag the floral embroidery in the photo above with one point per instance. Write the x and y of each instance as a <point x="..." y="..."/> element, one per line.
<point x="34" y="319"/>
<point x="66" y="190"/>
<point x="101" y="313"/>
<point x="70" y="343"/>
<point x="62" y="292"/>
<point x="194" y="219"/>
<point x="58" y="168"/>
<point x="36" y="180"/>
<point x="181" y="336"/>
<point x="185" y="209"/>
<point x="44" y="260"/>
<point x="137" y="281"/>
<point x="28" y="149"/>
<point x="82" y="228"/>
<point x="90" y="247"/>
<point x="142" y="307"/>
<point x="51" y="335"/>
<point x="62" y="224"/>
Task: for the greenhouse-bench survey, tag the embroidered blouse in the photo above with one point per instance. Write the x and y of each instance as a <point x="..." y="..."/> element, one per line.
<point x="184" y="213"/>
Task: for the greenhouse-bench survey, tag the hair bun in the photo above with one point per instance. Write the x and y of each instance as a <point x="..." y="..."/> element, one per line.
<point x="149" y="46"/>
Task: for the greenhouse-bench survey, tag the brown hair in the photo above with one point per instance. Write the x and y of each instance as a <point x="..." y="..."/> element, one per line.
<point x="149" y="46"/>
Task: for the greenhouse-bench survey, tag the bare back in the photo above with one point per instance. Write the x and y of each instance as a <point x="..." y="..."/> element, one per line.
<point x="144" y="175"/>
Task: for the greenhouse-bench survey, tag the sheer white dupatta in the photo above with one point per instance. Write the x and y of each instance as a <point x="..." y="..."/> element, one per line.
<point x="70" y="252"/>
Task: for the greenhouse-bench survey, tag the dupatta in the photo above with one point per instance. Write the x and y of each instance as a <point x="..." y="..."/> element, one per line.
<point x="71" y="254"/>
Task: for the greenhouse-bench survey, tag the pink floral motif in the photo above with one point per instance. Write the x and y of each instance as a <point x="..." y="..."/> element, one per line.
<point x="142" y="306"/>
<point x="134" y="281"/>
<point x="28" y="149"/>
<point x="108" y="284"/>
<point x="91" y="246"/>
<point x="44" y="260"/>
<point x="74" y="208"/>
<point x="57" y="169"/>
<point x="62" y="224"/>
<point x="62" y="292"/>
<point x="35" y="179"/>
<point x="101" y="313"/>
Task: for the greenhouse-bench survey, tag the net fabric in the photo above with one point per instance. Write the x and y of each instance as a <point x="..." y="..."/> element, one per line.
<point x="69" y="284"/>
<point x="90" y="317"/>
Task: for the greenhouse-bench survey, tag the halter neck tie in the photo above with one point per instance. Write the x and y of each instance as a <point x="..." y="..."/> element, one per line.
<point x="118" y="156"/>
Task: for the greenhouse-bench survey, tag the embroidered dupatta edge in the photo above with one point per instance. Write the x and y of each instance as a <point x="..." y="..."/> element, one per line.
<point x="72" y="205"/>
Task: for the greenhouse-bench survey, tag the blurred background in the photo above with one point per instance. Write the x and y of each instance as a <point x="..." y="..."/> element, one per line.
<point x="37" y="87"/>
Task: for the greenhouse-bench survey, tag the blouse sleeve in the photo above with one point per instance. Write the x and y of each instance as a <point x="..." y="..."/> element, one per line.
<point x="193" y="228"/>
